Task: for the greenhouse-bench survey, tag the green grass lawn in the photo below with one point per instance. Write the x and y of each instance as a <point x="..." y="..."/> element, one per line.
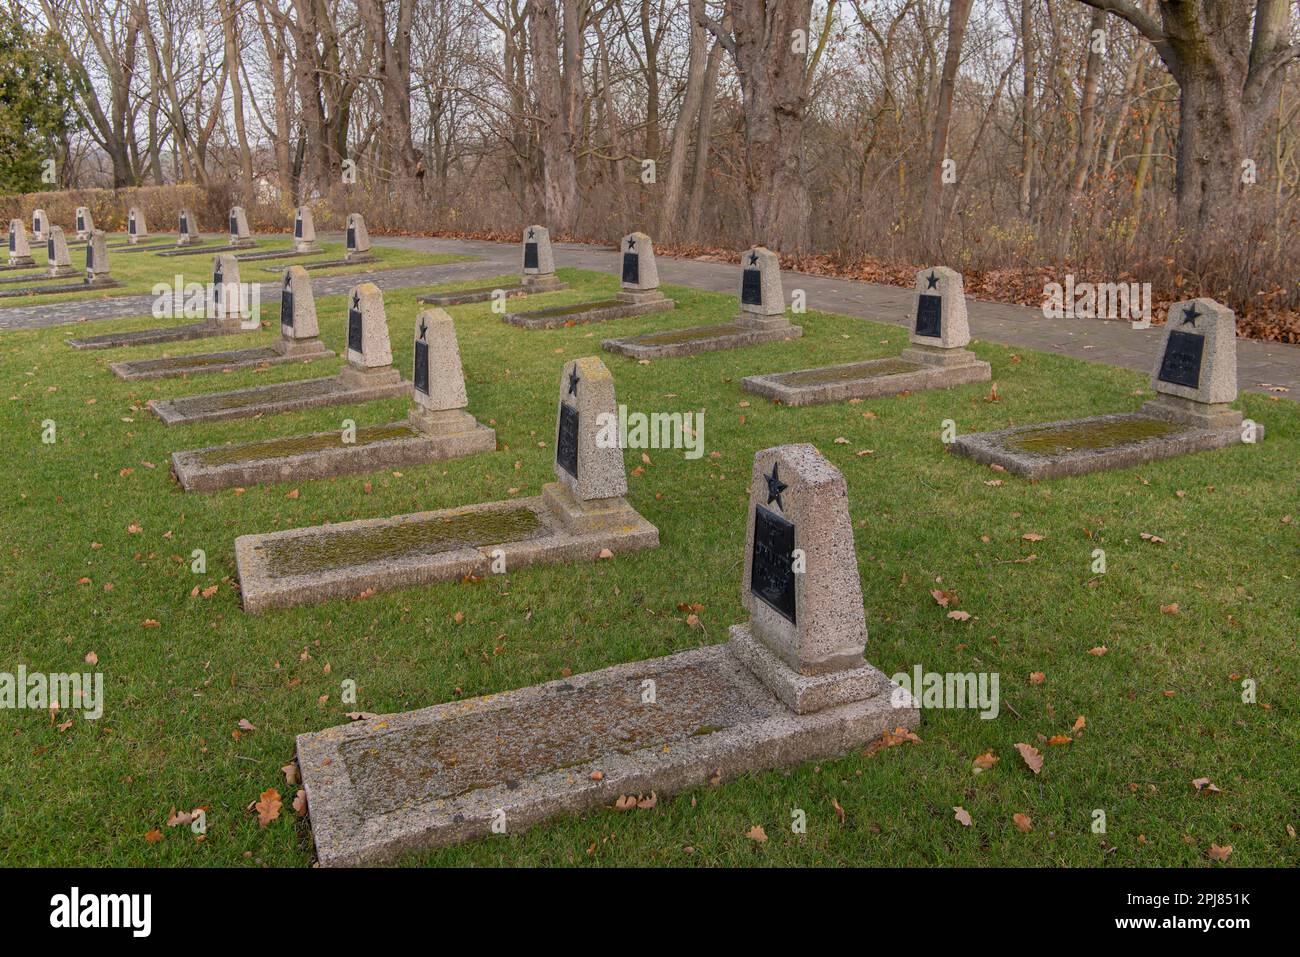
<point x="1162" y="706"/>
<point x="139" y="271"/>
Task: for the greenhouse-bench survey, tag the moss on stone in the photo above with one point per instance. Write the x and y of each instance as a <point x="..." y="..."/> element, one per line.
<point x="217" y="401"/>
<point x="686" y="335"/>
<point x="1087" y="436"/>
<point x="328" y="551"/>
<point x="302" y="444"/>
<point x="206" y="360"/>
<point x="573" y="310"/>
<point x="847" y="373"/>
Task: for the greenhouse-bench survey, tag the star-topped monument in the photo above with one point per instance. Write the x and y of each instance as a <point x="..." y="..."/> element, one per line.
<point x="531" y="232"/>
<point x="631" y="242"/>
<point x="573" y="381"/>
<point x="1190" y="315"/>
<point x="775" y="486"/>
<point x="356" y="301"/>
<point x="424" y="327"/>
<point x="932" y="281"/>
<point x="753" y="258"/>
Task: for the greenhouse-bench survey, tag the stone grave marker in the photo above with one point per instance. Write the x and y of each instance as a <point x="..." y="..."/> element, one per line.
<point x="1195" y="380"/>
<point x="136" y="227"/>
<point x="187" y="232"/>
<point x="578" y="516"/>
<point x="791" y="685"/>
<point x="639" y="294"/>
<point x="85" y="223"/>
<point x="438" y="427"/>
<point x="97" y="268"/>
<point x="56" y="250"/>
<point x="762" y="318"/>
<point x="20" y="251"/>
<point x="229" y="301"/>
<point x="936" y="359"/>
<point x="358" y="240"/>
<point x="39" y="225"/>
<point x="538" y="274"/>
<point x="238" y="225"/>
<point x="304" y="231"/>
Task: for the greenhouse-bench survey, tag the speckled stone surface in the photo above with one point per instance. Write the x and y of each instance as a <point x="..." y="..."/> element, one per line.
<point x="642" y="248"/>
<point x="304" y="327"/>
<point x="237" y="226"/>
<point x="376" y="350"/>
<point x="146" y="337"/>
<point x="357" y="240"/>
<point x="187" y="228"/>
<point x="228" y="305"/>
<point x="60" y="259"/>
<point x="1216" y="374"/>
<point x="137" y="229"/>
<point x="768" y="265"/>
<point x="954" y="328"/>
<point x="863" y="380"/>
<point x="280" y="397"/>
<point x="558" y="317"/>
<point x="304" y="231"/>
<point x="1179" y="438"/>
<point x="441" y="775"/>
<point x="85" y="223"/>
<point x="98" y="269"/>
<point x="20" y="249"/>
<point x="408" y="445"/>
<point x="545" y="268"/>
<point x="673" y="343"/>
<point x="265" y="584"/>
<point x="435" y="337"/>
<point x="586" y="388"/>
<point x="40" y="222"/>
<point x="209" y="363"/>
<point x="478" y="294"/>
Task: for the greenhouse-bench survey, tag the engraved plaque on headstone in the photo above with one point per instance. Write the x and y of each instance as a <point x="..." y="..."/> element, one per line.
<point x="772" y="576"/>
<point x="354" y="324"/>
<point x="217" y="277"/>
<point x="530" y="255"/>
<point x="130" y="225"/>
<point x="1182" y="361"/>
<point x="631" y="268"/>
<point x="929" y="316"/>
<point x="751" y="287"/>
<point x="185" y="224"/>
<point x="566" y="443"/>
<point x="352" y="237"/>
<point x="81" y="222"/>
<point x="13" y="239"/>
<point x="234" y="224"/>
<point x="421" y="377"/>
<point x="90" y="258"/>
<point x="49" y="249"/>
<point x="286" y="303"/>
<point x="297" y="226"/>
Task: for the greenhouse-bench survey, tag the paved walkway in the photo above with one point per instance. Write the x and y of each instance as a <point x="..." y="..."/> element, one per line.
<point x="1261" y="366"/>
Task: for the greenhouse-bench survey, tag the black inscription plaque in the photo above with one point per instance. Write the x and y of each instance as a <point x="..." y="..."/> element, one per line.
<point x="929" y="316"/>
<point x="130" y="225"/>
<point x="1181" y="364"/>
<point x="421" y="377"/>
<point x="90" y="257"/>
<point x="286" y="304"/>
<point x="49" y="249"/>
<point x="530" y="255"/>
<point x="354" y="326"/>
<point x="566" y="443"/>
<point x="352" y="237"/>
<point x="632" y="268"/>
<point x="751" y="288"/>
<point x="81" y="223"/>
<point x="297" y="226"/>
<point x="185" y="224"/>
<point x="234" y="225"/>
<point x="772" y="570"/>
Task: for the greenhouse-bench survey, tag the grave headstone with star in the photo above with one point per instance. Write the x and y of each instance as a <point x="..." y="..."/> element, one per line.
<point x="304" y="231"/>
<point x="357" y="240"/>
<point x="639" y="280"/>
<point x="538" y="260"/>
<point x="1195" y="376"/>
<point x="369" y="352"/>
<point x="299" y="331"/>
<point x="228" y="301"/>
<point x="85" y="223"/>
<point x="56" y="249"/>
<point x="136" y="227"/>
<point x="20" y="250"/>
<point x="40" y="222"/>
<point x="939" y="314"/>
<point x="437" y="380"/>
<point x="97" y="270"/>
<point x="762" y="300"/>
<point x="187" y="229"/>
<point x="238" y="226"/>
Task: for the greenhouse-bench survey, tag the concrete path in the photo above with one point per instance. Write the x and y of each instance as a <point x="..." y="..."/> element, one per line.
<point x="1261" y="366"/>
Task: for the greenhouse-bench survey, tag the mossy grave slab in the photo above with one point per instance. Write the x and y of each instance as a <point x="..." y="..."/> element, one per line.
<point x="322" y="455"/>
<point x="1097" y="443"/>
<point x="148" y="337"/>
<point x="862" y="380"/>
<point x="57" y="288"/>
<point x="441" y="775"/>
<point x="280" y="397"/>
<point x="201" y="250"/>
<point x="582" y="313"/>
<point x="692" y="341"/>
<point x="460" y="297"/>
<point x="320" y="563"/>
<point x="209" y="363"/>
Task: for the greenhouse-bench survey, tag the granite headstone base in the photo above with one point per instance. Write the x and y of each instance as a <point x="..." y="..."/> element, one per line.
<point x="207" y="363"/>
<point x="167" y="249"/>
<point x="56" y="289"/>
<point x="485" y="293"/>
<point x="348" y="386"/>
<point x="1103" y="442"/>
<point x="673" y="343"/>
<point x="148" y="337"/>
<point x="308" y="565"/>
<point x="916" y="370"/>
<point x="324" y="454"/>
<point x="627" y="304"/>
<point x="386" y="786"/>
<point x="203" y="250"/>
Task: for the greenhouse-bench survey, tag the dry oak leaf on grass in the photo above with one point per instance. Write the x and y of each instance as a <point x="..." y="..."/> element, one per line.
<point x="1037" y="677"/>
<point x="300" y="803"/>
<point x="1032" y="537"/>
<point x="1033" y="760"/>
<point x="154" y="836"/>
<point x="1023" y="821"/>
<point x="888" y="740"/>
<point x="1205" y="784"/>
<point x="985" y="761"/>
<point x="267" y="806"/>
<point x="944" y="598"/>
<point x="757" y="834"/>
<point x="962" y="816"/>
<point x="1221" y="854"/>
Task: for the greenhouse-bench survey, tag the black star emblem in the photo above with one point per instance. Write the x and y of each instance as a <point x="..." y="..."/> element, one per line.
<point x="573" y="381"/>
<point x="753" y="258"/>
<point x="423" y="327"/>
<point x="631" y="243"/>
<point x="932" y="280"/>
<point x="775" y="487"/>
<point x="356" y="301"/>
<point x="530" y="232"/>
<point x="1190" y="315"/>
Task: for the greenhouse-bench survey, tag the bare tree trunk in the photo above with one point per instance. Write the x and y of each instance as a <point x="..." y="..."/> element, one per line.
<point x="559" y="96"/>
<point x="703" y="137"/>
<point x="1027" y="144"/>
<point x="1086" y="146"/>
<point x="932" y="226"/>
<point x="669" y="226"/>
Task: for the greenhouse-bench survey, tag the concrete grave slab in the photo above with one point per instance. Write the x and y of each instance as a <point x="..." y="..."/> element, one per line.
<point x="574" y="519"/>
<point x="441" y="775"/>
<point x="1195" y="379"/>
<point x="537" y="276"/>
<point x="368" y="375"/>
<point x="639" y="294"/>
<point x="937" y="358"/>
<point x="762" y="318"/>
<point x="97" y="275"/>
<point x="437" y="428"/>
